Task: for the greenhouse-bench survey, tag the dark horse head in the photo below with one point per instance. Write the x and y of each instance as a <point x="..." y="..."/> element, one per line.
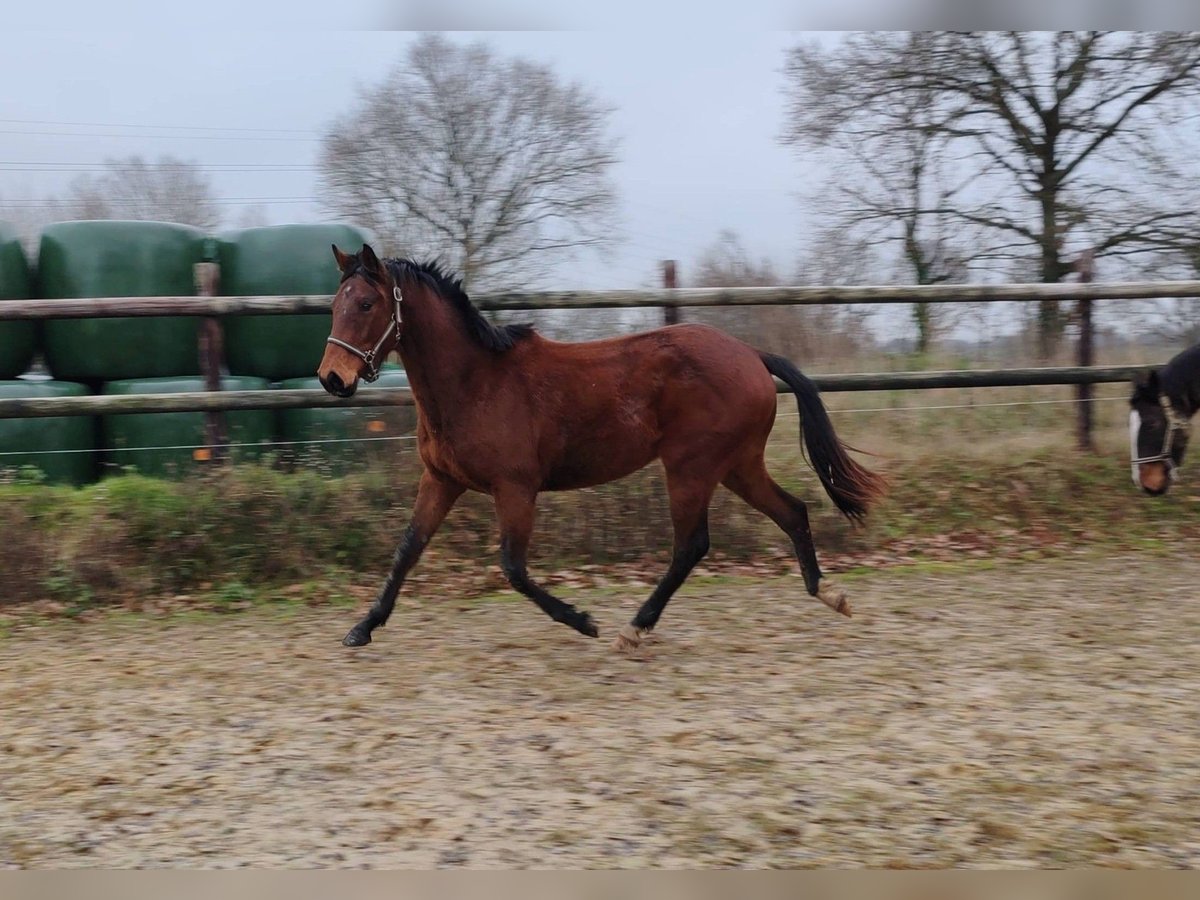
<point x="366" y="322"/>
<point x="1163" y="402"/>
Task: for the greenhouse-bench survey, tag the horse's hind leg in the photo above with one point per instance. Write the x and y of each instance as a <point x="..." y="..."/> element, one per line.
<point x="435" y="497"/>
<point x="752" y="483"/>
<point x="515" y="510"/>
<point x="689" y="516"/>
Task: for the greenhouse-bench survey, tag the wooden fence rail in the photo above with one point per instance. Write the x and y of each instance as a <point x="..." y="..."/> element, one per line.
<point x="116" y="307"/>
<point x="669" y="298"/>
<point x="201" y="401"/>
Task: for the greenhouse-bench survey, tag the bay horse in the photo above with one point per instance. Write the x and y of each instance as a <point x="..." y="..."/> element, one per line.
<point x="507" y="412"/>
<point x="1161" y="408"/>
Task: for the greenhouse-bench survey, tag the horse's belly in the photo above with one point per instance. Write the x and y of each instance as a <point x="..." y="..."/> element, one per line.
<point x="588" y="469"/>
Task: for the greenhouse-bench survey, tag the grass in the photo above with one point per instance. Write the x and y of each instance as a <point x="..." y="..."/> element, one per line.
<point x="973" y="484"/>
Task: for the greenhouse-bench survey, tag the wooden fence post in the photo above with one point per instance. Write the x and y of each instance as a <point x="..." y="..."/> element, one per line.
<point x="1085" y="266"/>
<point x="670" y="312"/>
<point x="212" y="355"/>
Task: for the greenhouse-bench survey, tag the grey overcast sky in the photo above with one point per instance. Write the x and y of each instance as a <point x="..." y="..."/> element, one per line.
<point x="697" y="114"/>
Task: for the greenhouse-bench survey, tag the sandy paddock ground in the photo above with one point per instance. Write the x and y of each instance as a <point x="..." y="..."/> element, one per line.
<point x="1029" y="714"/>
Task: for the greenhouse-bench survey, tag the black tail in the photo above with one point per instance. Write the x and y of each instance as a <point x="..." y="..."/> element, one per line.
<point x="851" y="487"/>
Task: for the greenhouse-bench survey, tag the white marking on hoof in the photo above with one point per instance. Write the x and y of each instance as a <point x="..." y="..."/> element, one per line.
<point x="834" y="598"/>
<point x="628" y="639"/>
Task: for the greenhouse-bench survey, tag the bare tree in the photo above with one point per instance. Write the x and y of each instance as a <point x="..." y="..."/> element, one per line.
<point x="1058" y="140"/>
<point x="726" y="263"/>
<point x="170" y="190"/>
<point x="802" y="332"/>
<point x="896" y="193"/>
<point x="493" y="163"/>
<point x="253" y="216"/>
<point x="29" y="216"/>
<point x="1174" y="321"/>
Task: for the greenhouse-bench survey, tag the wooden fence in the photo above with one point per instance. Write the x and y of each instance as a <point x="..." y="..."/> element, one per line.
<point x="670" y="299"/>
<point x="200" y="401"/>
<point x="117" y="307"/>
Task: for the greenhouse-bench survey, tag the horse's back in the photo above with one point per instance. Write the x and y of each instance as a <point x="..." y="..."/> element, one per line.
<point x="616" y="404"/>
<point x="685" y="359"/>
<point x="700" y="349"/>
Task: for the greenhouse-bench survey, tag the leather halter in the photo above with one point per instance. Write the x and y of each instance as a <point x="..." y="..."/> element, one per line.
<point x="372" y="357"/>
<point x="1176" y="424"/>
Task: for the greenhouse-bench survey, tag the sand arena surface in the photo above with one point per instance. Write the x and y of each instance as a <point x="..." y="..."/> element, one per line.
<point x="1036" y="713"/>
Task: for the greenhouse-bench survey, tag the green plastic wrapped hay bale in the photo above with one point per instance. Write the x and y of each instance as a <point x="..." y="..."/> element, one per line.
<point x="119" y="259"/>
<point x="62" y="449"/>
<point x="348" y="437"/>
<point x="126" y="436"/>
<point x="18" y="340"/>
<point x="277" y="261"/>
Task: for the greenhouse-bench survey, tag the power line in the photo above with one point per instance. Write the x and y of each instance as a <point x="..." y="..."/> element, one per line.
<point x="155" y="127"/>
<point x="143" y="136"/>
<point x="51" y="204"/>
<point x="104" y="167"/>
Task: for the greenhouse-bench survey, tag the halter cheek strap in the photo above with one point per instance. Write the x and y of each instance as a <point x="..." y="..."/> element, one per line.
<point x="373" y="357"/>
<point x="1176" y="424"/>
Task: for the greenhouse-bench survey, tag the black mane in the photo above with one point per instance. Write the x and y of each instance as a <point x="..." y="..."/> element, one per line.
<point x="496" y="338"/>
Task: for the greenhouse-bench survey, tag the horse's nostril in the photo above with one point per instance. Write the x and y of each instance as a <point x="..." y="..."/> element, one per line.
<point x="334" y="383"/>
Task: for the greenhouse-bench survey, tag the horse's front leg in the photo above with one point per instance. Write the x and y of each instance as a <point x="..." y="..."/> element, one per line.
<point x="515" y="510"/>
<point x="689" y="495"/>
<point x="435" y="497"/>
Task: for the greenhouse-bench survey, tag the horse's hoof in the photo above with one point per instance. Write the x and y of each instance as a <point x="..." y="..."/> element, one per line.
<point x="585" y="625"/>
<point x="835" y="599"/>
<point x="628" y="639"/>
<point x="357" y="637"/>
<point x="580" y="621"/>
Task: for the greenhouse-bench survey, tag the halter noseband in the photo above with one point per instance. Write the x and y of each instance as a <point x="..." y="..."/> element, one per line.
<point x="369" y="356"/>
<point x="1176" y="424"/>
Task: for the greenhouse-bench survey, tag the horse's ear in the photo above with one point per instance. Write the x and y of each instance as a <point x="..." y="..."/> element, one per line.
<point x="369" y="260"/>
<point x="344" y="260"/>
<point x="1146" y="386"/>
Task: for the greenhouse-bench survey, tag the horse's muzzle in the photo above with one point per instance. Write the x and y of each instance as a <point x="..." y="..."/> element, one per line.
<point x="1155" y="478"/>
<point x="334" y="385"/>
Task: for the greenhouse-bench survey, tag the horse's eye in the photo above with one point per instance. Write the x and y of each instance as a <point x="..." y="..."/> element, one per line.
<point x="366" y="305"/>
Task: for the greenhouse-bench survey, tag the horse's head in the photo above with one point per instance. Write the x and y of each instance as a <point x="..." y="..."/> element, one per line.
<point x="1158" y="436"/>
<point x="366" y="323"/>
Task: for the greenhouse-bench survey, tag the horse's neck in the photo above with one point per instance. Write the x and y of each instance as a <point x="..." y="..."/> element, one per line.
<point x="439" y="357"/>
<point x="1188" y="400"/>
<point x="1181" y="381"/>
